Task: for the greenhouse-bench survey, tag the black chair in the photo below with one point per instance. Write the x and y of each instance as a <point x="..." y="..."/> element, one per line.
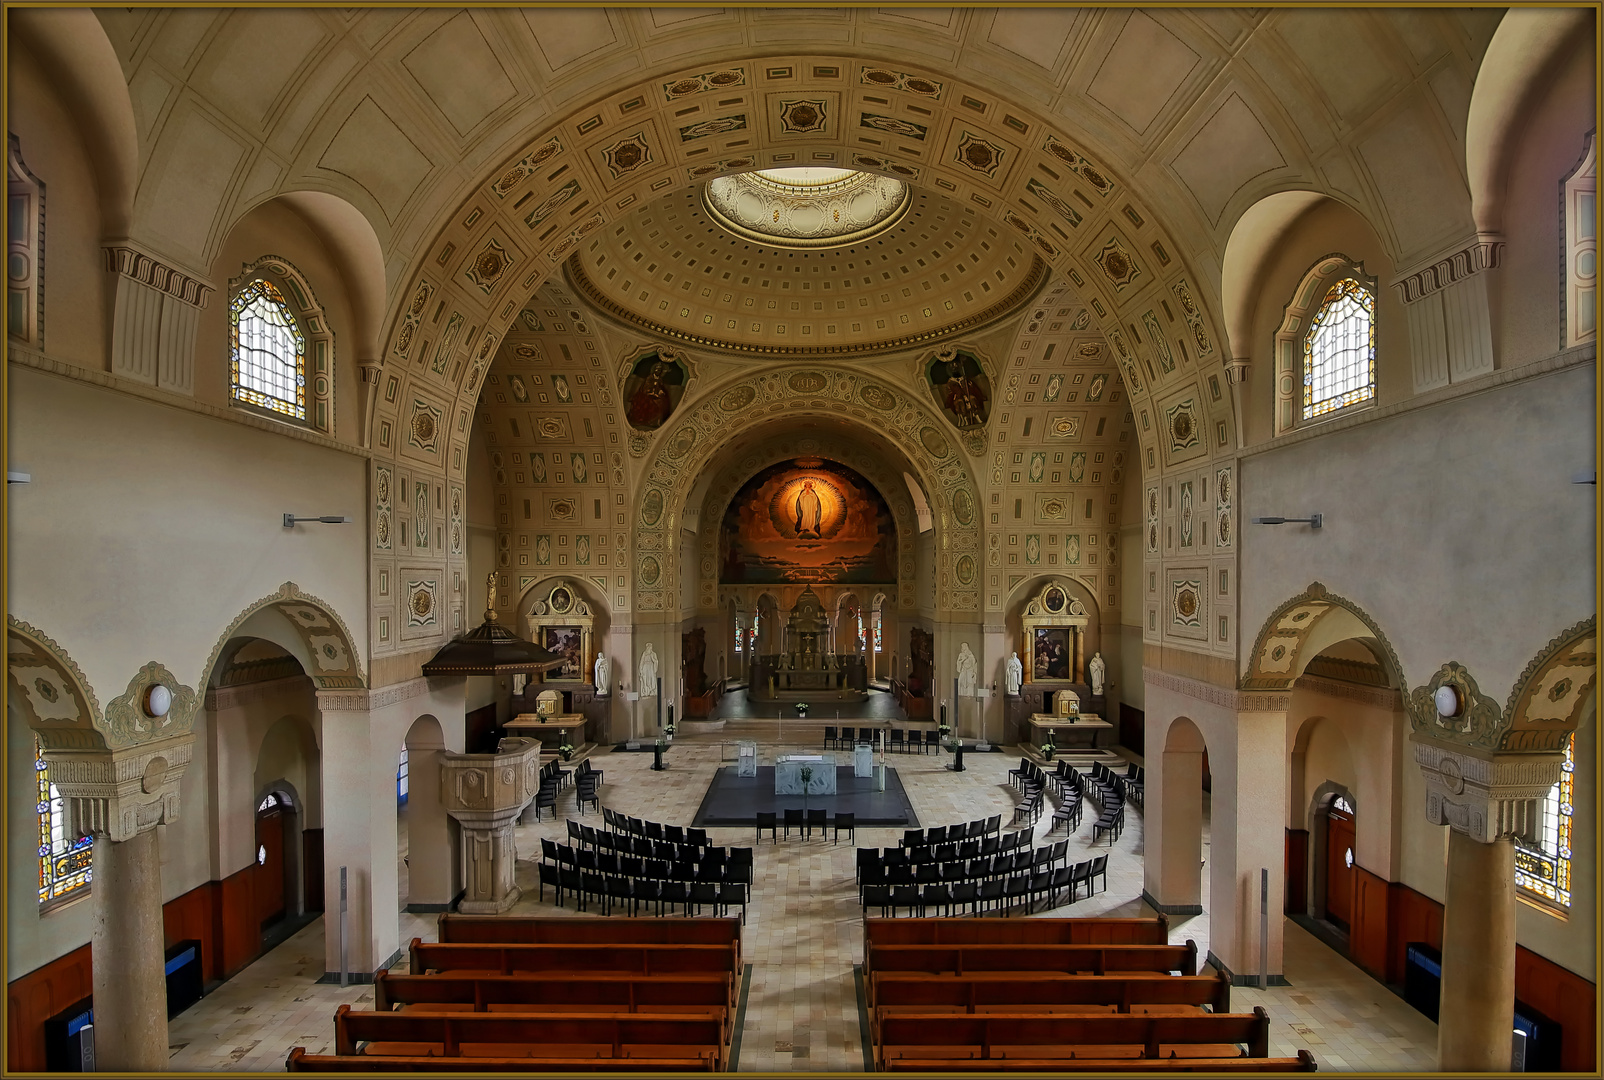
<point x="673" y="834"/>
<point x="1099" y="869"/>
<point x="631" y="865"/>
<point x="849" y="822"/>
<point x="815" y="819"/>
<point x="1015" y="889"/>
<point x="545" y="799"/>
<point x="731" y="892"/>
<point x="586" y="793"/>
<point x="933" y="741"/>
<point x="912" y="838"/>
<point x="770" y="821"/>
<point x="935" y="898"/>
<point x="1078" y="873"/>
<point x="643" y="892"/>
<point x="607" y="863"/>
<point x="574" y="832"/>
<point x="849" y="737"/>
<point x="548" y="851"/>
<point x="696" y="836"/>
<point x="876" y="896"/>
<point x="592" y="885"/>
<point x="904" y="896"/>
<point x="899" y="875"/>
<point x="831" y="738"/>
<point x="670" y="893"/>
<point x="899" y="740"/>
<point x="794" y="819"/>
<point x="587" y="769"/>
<point x="994" y="823"/>
<point x="654" y="830"/>
<point x="927" y="873"/>
<point x="571" y="884"/>
<point x="991" y="892"/>
<point x="740" y="863"/>
<point x="705" y="892"/>
<point x="549" y="875"/>
<point x="1063" y="878"/>
<point x="618" y="889"/>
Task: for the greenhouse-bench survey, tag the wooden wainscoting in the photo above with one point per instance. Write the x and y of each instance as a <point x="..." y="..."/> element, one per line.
<point x="35" y="998"/>
<point x="1297" y="862"/>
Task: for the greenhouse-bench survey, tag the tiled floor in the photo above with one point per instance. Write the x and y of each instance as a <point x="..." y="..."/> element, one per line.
<point x="804" y="934"/>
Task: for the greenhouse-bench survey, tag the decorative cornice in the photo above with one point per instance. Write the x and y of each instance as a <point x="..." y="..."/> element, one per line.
<point x="1375" y="696"/>
<point x="219" y="698"/>
<point x="577" y="279"/>
<point x="1223" y="696"/>
<point x="368" y="700"/>
<point x="1481" y="254"/>
<point x="149" y="271"/>
<point x="1485" y="797"/>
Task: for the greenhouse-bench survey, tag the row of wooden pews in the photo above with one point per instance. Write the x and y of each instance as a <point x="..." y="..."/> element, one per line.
<point x="529" y="994"/>
<point x="1093" y="995"/>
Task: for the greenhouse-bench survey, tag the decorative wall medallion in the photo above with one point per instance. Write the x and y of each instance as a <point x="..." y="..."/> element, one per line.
<point x="543" y="209"/>
<point x="1185" y="602"/>
<point x="420" y="602"/>
<point x="488" y="266"/>
<point x="554" y="428"/>
<point x="1080" y="164"/>
<point x="1094" y="391"/>
<point x="1054" y="600"/>
<point x="543" y="550"/>
<point x="1055" y="384"/>
<point x="963" y="506"/>
<point x="807" y="382"/>
<point x="1183" y="425"/>
<point x="1152" y="539"/>
<point x="650" y="571"/>
<point x="1051" y="508"/>
<point x="423" y="429"/>
<point x="1222" y="507"/>
<point x="1082" y="321"/>
<point x="382" y="507"/>
<point x="683" y="441"/>
<point x="420" y="516"/>
<point x="1186" y="513"/>
<point x="1077" y="467"/>
<point x="1033" y="548"/>
<point x="651" y="507"/>
<point x="723" y="79"/>
<point x="978" y="155"/>
<point x="896" y="80"/>
<point x="582" y="551"/>
<point x="511" y="178"/>
<point x="578" y="469"/>
<point x="527" y="353"/>
<point x="1117" y="264"/>
<point x="737" y="398"/>
<point x="877" y="397"/>
<point x="721" y="125"/>
<point x="627" y="154"/>
<point x="800" y="117"/>
<point x="520" y="392"/>
<point x="409" y="326"/>
<point x="559" y="386"/>
<point x="964" y="570"/>
<point x="1038" y="467"/>
<point x="893" y="126"/>
<point x="1194" y="317"/>
<point x="1063" y="427"/>
<point x="933" y="443"/>
<point x="1058" y="205"/>
<point x="1161" y="347"/>
<point x="563" y="509"/>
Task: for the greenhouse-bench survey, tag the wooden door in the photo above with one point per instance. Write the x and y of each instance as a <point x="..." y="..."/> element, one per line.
<point x="270" y="866"/>
<point x="1339" y="867"/>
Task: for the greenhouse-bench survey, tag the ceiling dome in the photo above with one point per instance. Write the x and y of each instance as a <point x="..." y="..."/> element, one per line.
<point x="673" y="272"/>
<point x="806" y="207"/>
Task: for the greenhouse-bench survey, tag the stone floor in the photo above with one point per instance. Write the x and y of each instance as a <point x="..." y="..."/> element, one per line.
<point x="804" y="934"/>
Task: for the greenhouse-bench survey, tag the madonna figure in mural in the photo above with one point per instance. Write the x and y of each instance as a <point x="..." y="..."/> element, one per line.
<point x="809" y="512"/>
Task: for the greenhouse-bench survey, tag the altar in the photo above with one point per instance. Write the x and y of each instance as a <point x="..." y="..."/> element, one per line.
<point x="788" y="774"/>
<point x="1081" y="729"/>
<point x="806" y="670"/>
<point x="550" y="730"/>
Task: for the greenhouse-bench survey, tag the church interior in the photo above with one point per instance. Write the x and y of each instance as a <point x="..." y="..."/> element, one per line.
<point x="462" y="459"/>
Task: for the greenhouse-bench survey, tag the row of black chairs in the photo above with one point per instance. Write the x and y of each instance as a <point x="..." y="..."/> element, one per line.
<point x="984" y="896"/>
<point x="644" y="893"/>
<point x="875" y="869"/>
<point x="629" y="844"/>
<point x="898" y="739"/>
<point x="653" y="830"/>
<point x="1107" y="788"/>
<point x="805" y="822"/>
<point x="627" y="841"/>
<point x="1069" y="808"/>
<point x="941" y="834"/>
<point x="712" y="864"/>
<point x="553" y="778"/>
<point x="992" y="844"/>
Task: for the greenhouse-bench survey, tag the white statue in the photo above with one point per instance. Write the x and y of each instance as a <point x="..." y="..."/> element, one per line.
<point x="647" y="686"/>
<point x="1096" y="670"/>
<point x="968" y="671"/>
<point x="604" y="671"/>
<point x="1016" y="673"/>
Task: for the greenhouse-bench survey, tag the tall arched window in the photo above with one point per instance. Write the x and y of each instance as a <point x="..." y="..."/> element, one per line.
<point x="64" y="861"/>
<point x="1543" y="857"/>
<point x="25" y="250"/>
<point x="1581" y="250"/>
<point x="281" y="352"/>
<point x="1339" y="350"/>
<point x="267" y="363"/>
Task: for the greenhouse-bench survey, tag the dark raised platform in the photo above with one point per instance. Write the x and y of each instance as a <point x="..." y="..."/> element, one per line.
<point x="736" y="800"/>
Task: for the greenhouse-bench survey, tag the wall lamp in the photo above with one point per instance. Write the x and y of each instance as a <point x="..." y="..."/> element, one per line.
<point x="14" y="477"/>
<point x="1314" y="521"/>
<point x="328" y="519"/>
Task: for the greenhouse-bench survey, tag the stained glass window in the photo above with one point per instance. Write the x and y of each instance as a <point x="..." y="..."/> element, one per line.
<point x="401" y="779"/>
<point x="1543" y="859"/>
<point x="863" y="636"/>
<point x="267" y="360"/>
<point x="1339" y="351"/>
<point x="877" y="633"/>
<point x="63" y="861"/>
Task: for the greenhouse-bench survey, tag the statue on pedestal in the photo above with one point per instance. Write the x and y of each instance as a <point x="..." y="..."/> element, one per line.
<point x="1096" y="671"/>
<point x="968" y="671"/>
<point x="648" y="672"/>
<point x="1016" y="673"/>
<point x="604" y="670"/>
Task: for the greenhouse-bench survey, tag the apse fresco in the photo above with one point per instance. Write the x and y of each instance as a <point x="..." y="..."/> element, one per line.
<point x="807" y="520"/>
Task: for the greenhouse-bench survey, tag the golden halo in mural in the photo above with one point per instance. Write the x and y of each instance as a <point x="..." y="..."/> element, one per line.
<point x="808" y="507"/>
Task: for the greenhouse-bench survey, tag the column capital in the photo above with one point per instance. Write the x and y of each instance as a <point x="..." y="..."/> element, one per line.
<point x="1487" y="796"/>
<point x="118" y="794"/>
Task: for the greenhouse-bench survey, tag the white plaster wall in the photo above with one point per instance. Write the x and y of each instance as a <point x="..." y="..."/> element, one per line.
<point x="145" y="541"/>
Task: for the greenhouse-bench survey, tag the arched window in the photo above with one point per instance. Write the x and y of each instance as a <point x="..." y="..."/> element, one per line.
<point x="1581" y="250"/>
<point x="401" y="779"/>
<point x="64" y="861"/>
<point x="25" y="251"/>
<point x="1543" y="857"/>
<point x="1339" y="350"/>
<point x="281" y="353"/>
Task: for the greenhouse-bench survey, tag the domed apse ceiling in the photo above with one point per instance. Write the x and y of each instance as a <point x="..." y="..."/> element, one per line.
<point x="671" y="272"/>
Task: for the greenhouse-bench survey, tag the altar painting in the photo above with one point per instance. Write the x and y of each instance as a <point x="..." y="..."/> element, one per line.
<point x="567" y="642"/>
<point x="807" y="520"/>
<point x="1053" y="653"/>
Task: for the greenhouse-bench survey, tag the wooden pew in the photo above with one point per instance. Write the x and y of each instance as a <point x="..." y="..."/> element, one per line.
<point x="1042" y="992"/>
<point x="513" y="959"/>
<point x="591" y="992"/>
<point x="300" y="1061"/>
<point x="1304" y="1062"/>
<point x="1089" y="959"/>
<point x="503" y="1035"/>
<point x="985" y="1036"/>
<point x="538" y="930"/>
<point x="989" y="931"/>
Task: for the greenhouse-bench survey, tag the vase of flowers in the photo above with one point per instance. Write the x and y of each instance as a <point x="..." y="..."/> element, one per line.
<point x="566" y="749"/>
<point x="801" y="708"/>
<point x="806" y="775"/>
<point x="668" y="731"/>
<point x="1049" y="747"/>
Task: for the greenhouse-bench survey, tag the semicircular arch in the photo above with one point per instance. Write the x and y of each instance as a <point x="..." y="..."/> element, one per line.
<point x="1297" y="631"/>
<point x="305" y="626"/>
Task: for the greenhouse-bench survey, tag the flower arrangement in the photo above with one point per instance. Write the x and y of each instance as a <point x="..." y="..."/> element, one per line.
<point x="1049" y="746"/>
<point x="801" y="708"/>
<point x="566" y="749"/>
<point x="668" y="729"/>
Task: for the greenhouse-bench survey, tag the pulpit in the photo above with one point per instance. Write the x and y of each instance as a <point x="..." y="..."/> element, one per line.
<point x="485" y="793"/>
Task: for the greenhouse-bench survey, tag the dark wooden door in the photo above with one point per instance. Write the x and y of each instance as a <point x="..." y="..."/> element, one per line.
<point x="1339" y="867"/>
<point x="270" y="866"/>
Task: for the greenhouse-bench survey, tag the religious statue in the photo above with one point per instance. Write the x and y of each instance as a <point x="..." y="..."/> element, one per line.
<point x="648" y="672"/>
<point x="1016" y="673"/>
<point x="968" y="671"/>
<point x="490" y="597"/>
<point x="650" y="404"/>
<point x="809" y="512"/>
<point x="604" y="671"/>
<point x="1096" y="671"/>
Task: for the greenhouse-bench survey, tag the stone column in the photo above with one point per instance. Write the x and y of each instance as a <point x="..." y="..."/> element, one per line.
<point x="485" y="794"/>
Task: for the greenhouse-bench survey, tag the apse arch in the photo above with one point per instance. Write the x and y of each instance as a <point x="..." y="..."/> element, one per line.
<point x="306" y="627"/>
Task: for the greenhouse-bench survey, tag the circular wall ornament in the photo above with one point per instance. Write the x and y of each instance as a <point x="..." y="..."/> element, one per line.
<point x="1447" y="700"/>
<point x="1453" y="778"/>
<point x="158" y="699"/>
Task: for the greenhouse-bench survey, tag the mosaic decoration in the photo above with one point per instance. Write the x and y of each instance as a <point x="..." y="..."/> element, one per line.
<point x="582" y="551"/>
<point x="515" y="174"/>
<point x="458" y="500"/>
<point x="537" y="217"/>
<point x="627" y="154"/>
<point x="1193" y="317"/>
<point x="721" y="125"/>
<point x="1055" y="384"/>
<point x="651" y="507"/>
<point x="1126" y="360"/>
<point x="866" y="161"/>
<point x="488" y="266"/>
<point x="576" y="465"/>
<point x="1094" y="391"/>
<point x="420" y="515"/>
<point x="802" y="116"/>
<point x="964" y="570"/>
<point x="1033" y="549"/>
<point x="1062" y="209"/>
<point x="978" y="154"/>
<point x="520" y="390"/>
<point x="559" y="386"/>
<point x="893" y="126"/>
<point x="723" y="79"/>
<point x="423" y="429"/>
<point x="1072" y="549"/>
<point x="1161" y="347"/>
<point x="963" y="506"/>
<point x="1051" y="508"/>
<point x="896" y="80"/>
<point x="1117" y="264"/>
<point x="1082" y="321"/>
<point x="1038" y="467"/>
<point x="1186" y="604"/>
<point x="1031" y="232"/>
<point x="543" y="550"/>
<point x="807" y="520"/>
<point x="1080" y="165"/>
<point x="575" y="235"/>
<point x="1181" y="420"/>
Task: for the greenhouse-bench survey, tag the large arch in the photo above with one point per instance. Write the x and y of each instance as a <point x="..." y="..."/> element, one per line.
<point x="307" y="628"/>
<point x="1300" y="628"/>
<point x="48" y="689"/>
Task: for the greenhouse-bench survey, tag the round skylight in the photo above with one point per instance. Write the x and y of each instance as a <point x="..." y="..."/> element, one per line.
<point x="806" y="207"/>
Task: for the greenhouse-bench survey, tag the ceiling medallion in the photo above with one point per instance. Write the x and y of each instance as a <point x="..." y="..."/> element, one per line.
<point x="806" y="207"/>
